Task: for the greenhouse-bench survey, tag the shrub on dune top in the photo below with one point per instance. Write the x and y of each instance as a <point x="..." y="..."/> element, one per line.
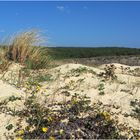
<point x="22" y="49"/>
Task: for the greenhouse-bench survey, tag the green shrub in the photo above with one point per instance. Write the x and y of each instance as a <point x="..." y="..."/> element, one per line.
<point x="109" y="73"/>
<point x="136" y="108"/>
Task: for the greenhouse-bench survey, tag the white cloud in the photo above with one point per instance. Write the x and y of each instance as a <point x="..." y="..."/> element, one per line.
<point x="64" y="9"/>
<point x="61" y="8"/>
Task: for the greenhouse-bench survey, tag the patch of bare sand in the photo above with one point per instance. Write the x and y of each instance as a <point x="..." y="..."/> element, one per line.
<point x="6" y="91"/>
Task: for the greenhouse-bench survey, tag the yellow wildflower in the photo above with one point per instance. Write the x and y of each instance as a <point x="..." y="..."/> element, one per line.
<point x="38" y="87"/>
<point x="21" y="132"/>
<point x="27" y="86"/>
<point x="49" y="119"/>
<point x="106" y="115"/>
<point x="61" y="131"/>
<point x="51" y="138"/>
<point x="74" y="100"/>
<point x="135" y="130"/>
<point x="44" y="129"/>
<point x="19" y="139"/>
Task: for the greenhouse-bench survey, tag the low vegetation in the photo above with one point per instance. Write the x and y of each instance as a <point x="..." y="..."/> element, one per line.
<point x="136" y="108"/>
<point x="73" y="119"/>
<point x="109" y="73"/>
<point x="101" y="88"/>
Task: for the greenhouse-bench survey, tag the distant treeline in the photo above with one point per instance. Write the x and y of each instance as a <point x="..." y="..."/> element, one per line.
<point x="79" y="52"/>
<point x="84" y="52"/>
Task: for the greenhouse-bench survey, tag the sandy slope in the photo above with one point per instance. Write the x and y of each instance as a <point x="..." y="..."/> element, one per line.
<point x="118" y="94"/>
<point x="117" y="97"/>
<point x="6" y="91"/>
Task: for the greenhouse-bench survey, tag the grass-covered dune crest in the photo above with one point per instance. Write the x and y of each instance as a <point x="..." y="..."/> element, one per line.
<point x="22" y="49"/>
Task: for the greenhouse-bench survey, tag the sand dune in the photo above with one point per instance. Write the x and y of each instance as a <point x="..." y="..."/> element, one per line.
<point x="85" y="80"/>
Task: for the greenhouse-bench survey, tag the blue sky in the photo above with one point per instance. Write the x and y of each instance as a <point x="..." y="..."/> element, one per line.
<point x="85" y="23"/>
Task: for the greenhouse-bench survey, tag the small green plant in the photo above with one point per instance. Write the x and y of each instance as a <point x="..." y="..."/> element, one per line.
<point x="9" y="127"/>
<point x="43" y="78"/>
<point x="137" y="71"/>
<point x="101" y="88"/>
<point x="32" y="87"/>
<point x="80" y="70"/>
<point x="13" y="98"/>
<point x="136" y="108"/>
<point x="109" y="73"/>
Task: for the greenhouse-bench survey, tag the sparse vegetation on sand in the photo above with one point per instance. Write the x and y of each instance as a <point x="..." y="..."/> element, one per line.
<point x="72" y="101"/>
<point x="68" y="120"/>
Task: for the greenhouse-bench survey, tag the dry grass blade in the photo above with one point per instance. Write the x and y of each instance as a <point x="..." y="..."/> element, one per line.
<point x="4" y="63"/>
<point x="39" y="58"/>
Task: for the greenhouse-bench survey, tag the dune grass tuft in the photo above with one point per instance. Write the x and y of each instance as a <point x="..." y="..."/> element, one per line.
<point x="24" y="49"/>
